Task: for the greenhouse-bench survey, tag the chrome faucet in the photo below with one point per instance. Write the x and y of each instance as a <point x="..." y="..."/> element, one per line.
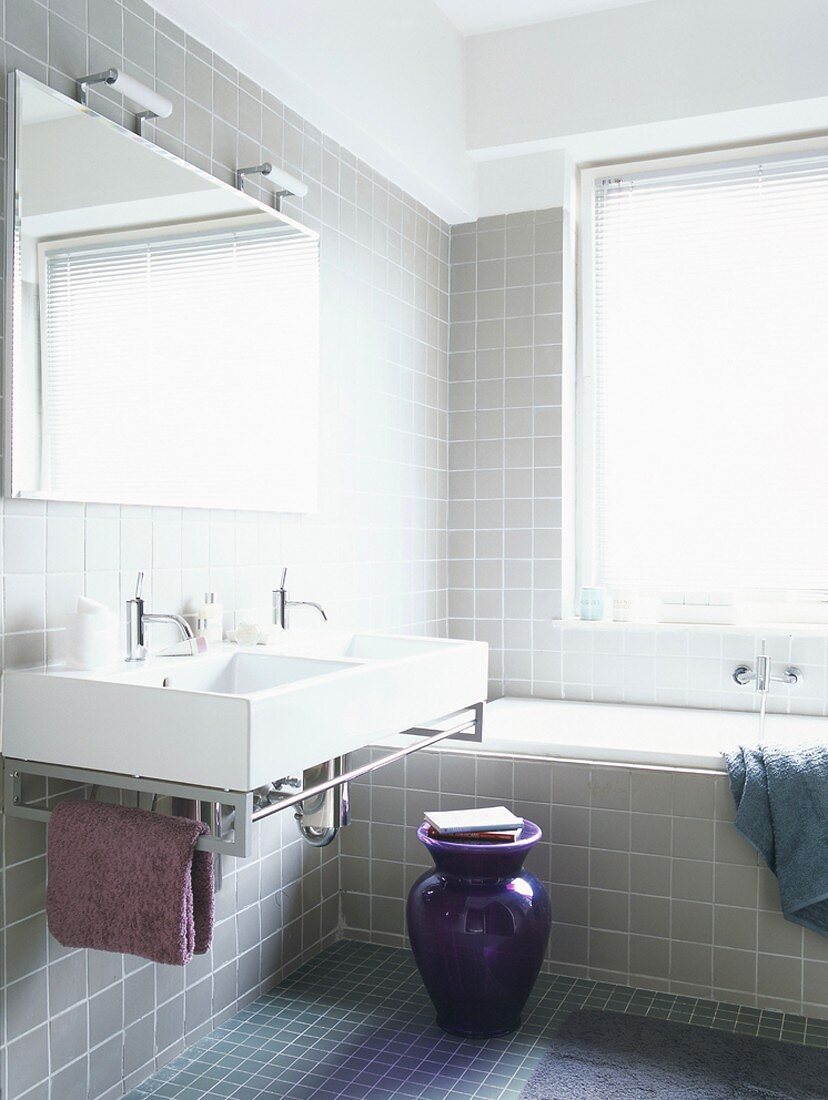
<point x="138" y="619"/>
<point x="282" y="605"/>
<point x="761" y="676"/>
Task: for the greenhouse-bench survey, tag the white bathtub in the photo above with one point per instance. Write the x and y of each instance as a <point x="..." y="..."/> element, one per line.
<point x="626" y="734"/>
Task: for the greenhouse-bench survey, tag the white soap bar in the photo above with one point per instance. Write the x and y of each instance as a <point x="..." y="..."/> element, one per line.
<point x="488" y="819"/>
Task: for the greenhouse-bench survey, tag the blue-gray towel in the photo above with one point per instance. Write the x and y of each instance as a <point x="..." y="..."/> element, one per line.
<point x="781" y="795"/>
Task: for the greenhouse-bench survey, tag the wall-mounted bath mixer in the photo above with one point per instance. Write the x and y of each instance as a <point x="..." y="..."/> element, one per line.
<point x="762" y="677"/>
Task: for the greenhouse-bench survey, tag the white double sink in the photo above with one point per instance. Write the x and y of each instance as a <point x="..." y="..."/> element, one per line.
<point x="238" y="718"/>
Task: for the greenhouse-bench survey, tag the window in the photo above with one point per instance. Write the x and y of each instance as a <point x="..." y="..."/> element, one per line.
<point x="704" y="382"/>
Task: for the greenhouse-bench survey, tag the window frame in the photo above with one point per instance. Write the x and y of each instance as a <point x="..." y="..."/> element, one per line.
<point x="583" y="415"/>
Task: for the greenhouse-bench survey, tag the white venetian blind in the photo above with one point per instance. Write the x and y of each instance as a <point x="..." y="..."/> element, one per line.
<point x="183" y="370"/>
<point x="711" y="377"/>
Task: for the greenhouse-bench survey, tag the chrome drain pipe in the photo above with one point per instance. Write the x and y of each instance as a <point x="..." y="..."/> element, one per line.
<point x="320" y="817"/>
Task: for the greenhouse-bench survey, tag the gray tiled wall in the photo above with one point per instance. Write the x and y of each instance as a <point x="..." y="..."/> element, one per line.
<point x="651" y="885"/>
<point x="511" y="397"/>
<point x="505" y="400"/>
<point x="374" y="554"/>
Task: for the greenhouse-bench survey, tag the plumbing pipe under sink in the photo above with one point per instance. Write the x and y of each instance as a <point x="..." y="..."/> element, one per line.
<point x="324" y="811"/>
<point x="321" y="816"/>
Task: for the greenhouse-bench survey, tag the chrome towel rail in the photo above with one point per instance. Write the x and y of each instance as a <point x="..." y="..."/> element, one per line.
<point x="469" y="730"/>
<point x="241" y="802"/>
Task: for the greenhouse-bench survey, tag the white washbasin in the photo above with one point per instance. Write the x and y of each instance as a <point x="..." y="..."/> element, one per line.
<point x="239" y="718"/>
<point x="230" y="672"/>
<point x="360" y="647"/>
<point x="377" y="648"/>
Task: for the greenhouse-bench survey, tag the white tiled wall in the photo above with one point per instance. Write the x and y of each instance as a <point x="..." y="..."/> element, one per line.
<point x="78" y="1024"/>
<point x="680" y="666"/>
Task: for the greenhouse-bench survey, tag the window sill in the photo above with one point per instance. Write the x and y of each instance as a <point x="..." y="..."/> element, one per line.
<point x="770" y="629"/>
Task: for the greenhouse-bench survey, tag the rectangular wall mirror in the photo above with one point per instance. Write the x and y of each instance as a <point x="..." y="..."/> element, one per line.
<point x="162" y="327"/>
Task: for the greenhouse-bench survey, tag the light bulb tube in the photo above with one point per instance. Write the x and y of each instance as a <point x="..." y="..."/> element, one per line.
<point x="284" y="181"/>
<point x="139" y="93"/>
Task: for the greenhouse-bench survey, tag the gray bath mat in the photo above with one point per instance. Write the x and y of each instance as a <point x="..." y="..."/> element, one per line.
<point x="610" y="1056"/>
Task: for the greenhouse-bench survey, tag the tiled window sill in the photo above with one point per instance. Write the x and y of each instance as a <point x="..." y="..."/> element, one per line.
<point x="769" y="629"/>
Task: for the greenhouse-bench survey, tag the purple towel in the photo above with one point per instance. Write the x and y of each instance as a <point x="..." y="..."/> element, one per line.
<point x="128" y="880"/>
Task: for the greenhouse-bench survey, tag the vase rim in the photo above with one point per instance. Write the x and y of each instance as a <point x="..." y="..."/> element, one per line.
<point x="530" y="834"/>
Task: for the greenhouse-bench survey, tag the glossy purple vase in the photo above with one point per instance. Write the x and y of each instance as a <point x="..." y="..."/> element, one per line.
<point x="478" y="925"/>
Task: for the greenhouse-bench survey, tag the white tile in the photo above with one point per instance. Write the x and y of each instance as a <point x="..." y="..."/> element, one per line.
<point x="103" y="544"/>
<point x="222" y="544"/>
<point x="25" y="602"/>
<point x="136" y="545"/>
<point x="24" y="544"/>
<point x="166" y="545"/>
<point x="195" y="543"/>
<point x="62" y="592"/>
<point x="65" y="538"/>
<point x="105" y="587"/>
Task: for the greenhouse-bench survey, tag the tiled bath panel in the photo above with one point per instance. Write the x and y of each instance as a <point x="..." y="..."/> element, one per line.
<point x="77" y="1024"/>
<point x="356" y="1023"/>
<point x="651" y="885"/>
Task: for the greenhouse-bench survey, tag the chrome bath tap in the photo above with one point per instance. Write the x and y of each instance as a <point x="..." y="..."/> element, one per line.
<point x="282" y="605"/>
<point x="761" y="676"/>
<point x="138" y="620"/>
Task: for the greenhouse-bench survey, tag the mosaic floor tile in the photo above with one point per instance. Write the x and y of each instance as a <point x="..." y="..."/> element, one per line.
<point x="356" y="1024"/>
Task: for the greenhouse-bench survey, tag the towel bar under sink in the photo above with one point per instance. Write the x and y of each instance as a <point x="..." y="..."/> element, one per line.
<point x="464" y="725"/>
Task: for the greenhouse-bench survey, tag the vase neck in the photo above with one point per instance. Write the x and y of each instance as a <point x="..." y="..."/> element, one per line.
<point x="485" y="861"/>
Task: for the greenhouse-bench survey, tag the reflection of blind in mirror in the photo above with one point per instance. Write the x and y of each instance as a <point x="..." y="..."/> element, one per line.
<point x="183" y="370"/>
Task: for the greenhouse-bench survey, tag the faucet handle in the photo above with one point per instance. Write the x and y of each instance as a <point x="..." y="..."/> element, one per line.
<point x="139" y="585"/>
<point x="284" y="577"/>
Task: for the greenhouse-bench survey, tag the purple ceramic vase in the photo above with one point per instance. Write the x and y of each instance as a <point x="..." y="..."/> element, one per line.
<point x="478" y="925"/>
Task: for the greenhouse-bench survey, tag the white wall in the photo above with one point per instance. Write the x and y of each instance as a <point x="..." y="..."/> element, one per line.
<point x="649" y="62"/>
<point x="384" y="77"/>
<point x="533" y="181"/>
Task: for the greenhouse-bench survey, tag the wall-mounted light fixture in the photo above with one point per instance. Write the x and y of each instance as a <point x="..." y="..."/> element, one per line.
<point x="283" y="182"/>
<point x="155" y="105"/>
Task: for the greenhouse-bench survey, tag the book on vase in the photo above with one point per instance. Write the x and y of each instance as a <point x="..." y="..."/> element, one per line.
<point x="486" y="823"/>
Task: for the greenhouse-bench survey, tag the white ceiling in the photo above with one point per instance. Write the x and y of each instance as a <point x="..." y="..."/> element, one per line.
<point x="478" y="16"/>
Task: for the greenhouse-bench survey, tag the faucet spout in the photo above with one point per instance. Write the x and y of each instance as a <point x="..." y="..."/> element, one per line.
<point x="138" y="619"/>
<point x="282" y="605"/>
<point x="309" y="603"/>
<point x="762" y="675"/>
<point x="170" y="617"/>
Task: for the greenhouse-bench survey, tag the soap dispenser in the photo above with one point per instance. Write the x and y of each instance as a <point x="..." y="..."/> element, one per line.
<point x="211" y="619"/>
